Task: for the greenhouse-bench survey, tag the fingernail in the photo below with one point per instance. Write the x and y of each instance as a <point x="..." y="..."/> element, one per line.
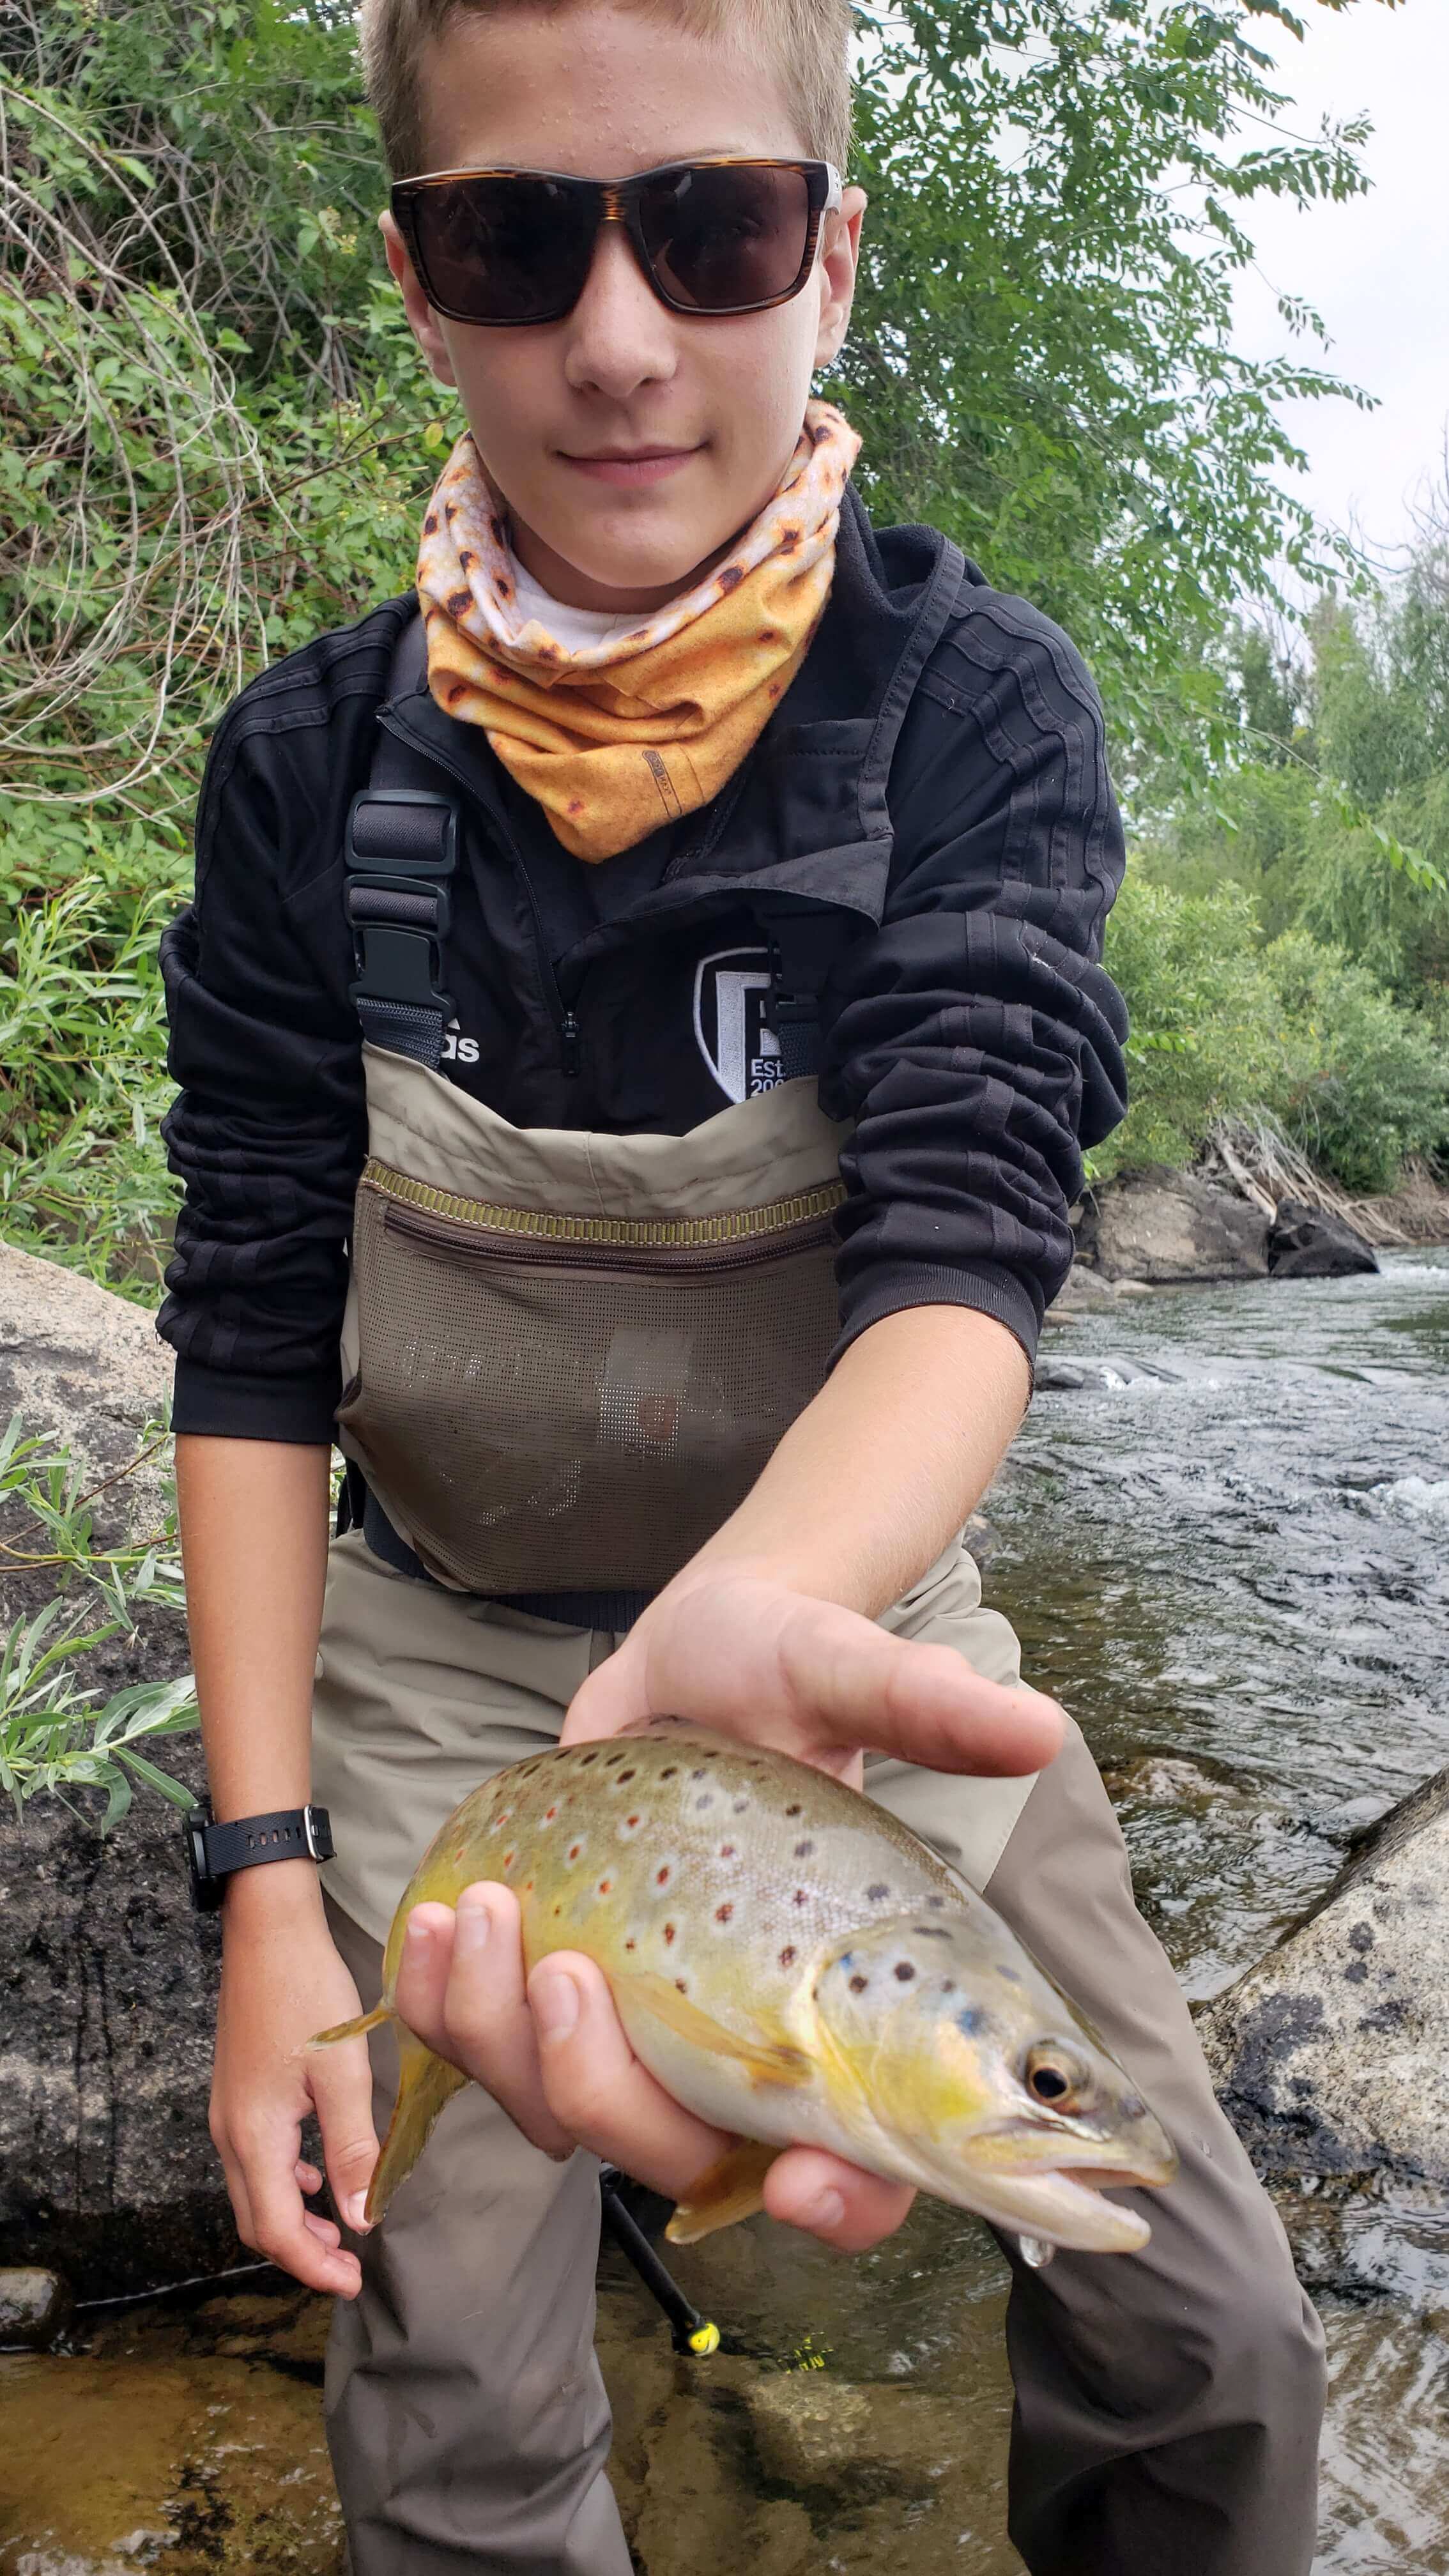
<point x="418" y="1935"/>
<point x="474" y="1926"/>
<point x="826" y="2210"/>
<point x="555" y="2002"/>
<point x="356" y="2208"/>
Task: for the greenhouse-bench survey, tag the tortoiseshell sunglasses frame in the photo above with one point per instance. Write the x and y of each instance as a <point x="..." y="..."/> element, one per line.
<point x="616" y="201"/>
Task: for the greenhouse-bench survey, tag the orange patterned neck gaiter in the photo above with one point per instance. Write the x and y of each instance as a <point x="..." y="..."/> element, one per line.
<point x="614" y="739"/>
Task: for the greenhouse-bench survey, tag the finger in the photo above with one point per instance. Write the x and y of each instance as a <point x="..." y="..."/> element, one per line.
<point x="341" y="2082"/>
<point x="596" y="2088"/>
<point x="461" y="1988"/>
<point x="307" y="2176"/>
<point x="924" y="1704"/>
<point x="282" y="2227"/>
<point x="828" y="2198"/>
<point x="236" y="2192"/>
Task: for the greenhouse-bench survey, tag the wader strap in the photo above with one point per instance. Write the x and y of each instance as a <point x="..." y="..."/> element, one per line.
<point x="801" y="948"/>
<point x="401" y="852"/>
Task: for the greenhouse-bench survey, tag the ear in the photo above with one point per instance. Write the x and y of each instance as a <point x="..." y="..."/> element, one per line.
<point x="839" y="258"/>
<point x="426" y="327"/>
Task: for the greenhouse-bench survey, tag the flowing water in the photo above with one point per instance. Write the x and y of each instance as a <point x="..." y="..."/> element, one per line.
<point x="1223" y="1536"/>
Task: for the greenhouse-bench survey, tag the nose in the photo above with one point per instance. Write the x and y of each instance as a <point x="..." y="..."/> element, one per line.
<point x="620" y="335"/>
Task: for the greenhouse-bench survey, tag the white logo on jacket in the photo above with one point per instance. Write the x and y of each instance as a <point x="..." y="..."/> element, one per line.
<point x="730" y="991"/>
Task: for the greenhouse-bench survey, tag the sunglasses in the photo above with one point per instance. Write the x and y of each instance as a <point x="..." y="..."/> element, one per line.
<point x="505" y="247"/>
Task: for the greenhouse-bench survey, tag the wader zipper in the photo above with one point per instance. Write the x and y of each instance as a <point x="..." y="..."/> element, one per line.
<point x="486" y="1231"/>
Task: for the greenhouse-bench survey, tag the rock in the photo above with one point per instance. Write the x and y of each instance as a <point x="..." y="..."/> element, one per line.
<point x="1329" y="2055"/>
<point x="34" y="2308"/>
<point x="812" y="2429"/>
<point x="106" y="1976"/>
<point x="1159" y="1227"/>
<point x="1303" y="1243"/>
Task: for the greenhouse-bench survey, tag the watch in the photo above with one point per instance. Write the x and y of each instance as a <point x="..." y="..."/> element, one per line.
<point x="214" y="1852"/>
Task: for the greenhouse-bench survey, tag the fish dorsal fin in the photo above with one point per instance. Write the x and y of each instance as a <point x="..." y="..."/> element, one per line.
<point x="732" y="2189"/>
<point x="767" y="2061"/>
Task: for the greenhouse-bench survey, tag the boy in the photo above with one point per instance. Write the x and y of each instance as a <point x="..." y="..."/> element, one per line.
<point x="710" y="798"/>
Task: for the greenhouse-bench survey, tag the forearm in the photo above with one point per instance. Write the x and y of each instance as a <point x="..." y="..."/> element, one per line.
<point x="254" y="1519"/>
<point x="876" y="1475"/>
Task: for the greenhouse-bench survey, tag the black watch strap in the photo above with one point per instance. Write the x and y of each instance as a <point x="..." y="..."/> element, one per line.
<point x="215" y="1852"/>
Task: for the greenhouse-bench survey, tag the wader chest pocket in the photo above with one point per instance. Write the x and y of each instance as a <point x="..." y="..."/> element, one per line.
<point x="574" y="1403"/>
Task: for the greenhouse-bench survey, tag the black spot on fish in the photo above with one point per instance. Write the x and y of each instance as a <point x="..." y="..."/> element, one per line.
<point x="930" y="1932"/>
<point x="696" y="1775"/>
<point x="935" y="1903"/>
<point x="795" y="1810"/>
<point x="585" y="1759"/>
<point x="713" y="1754"/>
<point x="803" y="1850"/>
<point x="629" y="1945"/>
<point x="610" y="1759"/>
<point x="787" y="1957"/>
<point x="904" y="1971"/>
<point x="948" y="1985"/>
<point x="858" y="1985"/>
<point x="683" y="1988"/>
<point x="740" y="1806"/>
<point x="877" y="1892"/>
<point x="1012" y="1975"/>
<point x="973" y="2021"/>
<point x="801" y="1896"/>
<point x="705" y="1801"/>
<point x="624" y="1777"/>
<point x="669" y="1774"/>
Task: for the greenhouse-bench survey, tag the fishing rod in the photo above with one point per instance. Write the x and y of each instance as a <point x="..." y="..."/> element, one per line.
<point x="689" y="2331"/>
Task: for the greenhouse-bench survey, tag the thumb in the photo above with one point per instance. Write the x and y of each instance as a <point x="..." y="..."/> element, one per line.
<point x="852" y="1683"/>
<point x="341" y="2080"/>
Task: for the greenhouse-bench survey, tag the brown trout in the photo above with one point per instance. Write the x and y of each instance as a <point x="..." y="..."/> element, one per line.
<point x="795" y="1967"/>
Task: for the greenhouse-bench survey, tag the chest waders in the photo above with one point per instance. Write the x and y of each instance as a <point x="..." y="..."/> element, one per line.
<point x="567" y="1356"/>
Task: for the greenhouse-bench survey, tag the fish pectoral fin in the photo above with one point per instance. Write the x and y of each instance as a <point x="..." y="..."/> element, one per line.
<point x="356" y="2029"/>
<point x="428" y="2082"/>
<point x="768" y="2061"/>
<point x="732" y="2189"/>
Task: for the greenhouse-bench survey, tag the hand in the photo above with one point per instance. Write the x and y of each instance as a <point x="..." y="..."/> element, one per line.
<point x="282" y="1981"/>
<point x="556" y="2058"/>
<point x="732" y="1648"/>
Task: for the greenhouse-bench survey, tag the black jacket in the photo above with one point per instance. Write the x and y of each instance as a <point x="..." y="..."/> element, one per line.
<point x="931" y="793"/>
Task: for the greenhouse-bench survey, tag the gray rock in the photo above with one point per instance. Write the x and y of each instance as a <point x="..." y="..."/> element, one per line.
<point x="107" y="1979"/>
<point x="1161" y="1227"/>
<point x="34" y="2308"/>
<point x="1303" y="1243"/>
<point x="1329" y="2055"/>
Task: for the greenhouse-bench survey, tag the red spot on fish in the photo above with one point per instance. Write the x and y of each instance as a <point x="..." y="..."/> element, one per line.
<point x="722" y="1913"/>
<point x="668" y="1932"/>
<point x="726" y="1851"/>
<point x="631" y="1820"/>
<point x="548" y="1819"/>
<point x="574" y="1850"/>
<point x="604" y="1886"/>
<point x="787" y="1958"/>
<point x="661" y="1875"/>
<point x="508" y="1859"/>
<point x="628" y="1945"/>
<point x="800" y="1896"/>
<point x="683" y="1988"/>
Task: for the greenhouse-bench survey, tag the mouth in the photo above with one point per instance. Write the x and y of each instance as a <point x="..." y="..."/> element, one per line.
<point x="633" y="466"/>
<point x="1066" y="2204"/>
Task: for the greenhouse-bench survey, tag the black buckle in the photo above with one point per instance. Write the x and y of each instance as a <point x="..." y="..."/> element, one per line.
<point x="396" y="895"/>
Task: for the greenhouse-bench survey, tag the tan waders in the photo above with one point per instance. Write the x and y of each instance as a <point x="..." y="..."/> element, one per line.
<point x="1167" y="2402"/>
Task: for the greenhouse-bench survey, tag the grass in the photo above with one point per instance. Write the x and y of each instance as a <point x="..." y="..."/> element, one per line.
<point x="53" y="1734"/>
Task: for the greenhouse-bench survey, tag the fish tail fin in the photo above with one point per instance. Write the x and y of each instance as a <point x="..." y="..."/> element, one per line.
<point x="428" y="2082"/>
<point x="356" y="2029"/>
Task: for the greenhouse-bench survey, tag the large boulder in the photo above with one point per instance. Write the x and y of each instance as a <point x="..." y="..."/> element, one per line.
<point x="1165" y="1227"/>
<point x="1329" y="2055"/>
<point x="106" y="1977"/>
<point x="1303" y="1243"/>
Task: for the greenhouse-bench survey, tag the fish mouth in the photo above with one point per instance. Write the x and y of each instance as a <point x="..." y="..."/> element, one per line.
<point x="1060" y="2208"/>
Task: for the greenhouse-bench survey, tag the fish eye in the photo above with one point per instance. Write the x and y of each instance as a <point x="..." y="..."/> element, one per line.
<point x="1055" y="2075"/>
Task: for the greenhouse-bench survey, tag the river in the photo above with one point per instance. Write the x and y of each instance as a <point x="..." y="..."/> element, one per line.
<point x="1223" y="1536"/>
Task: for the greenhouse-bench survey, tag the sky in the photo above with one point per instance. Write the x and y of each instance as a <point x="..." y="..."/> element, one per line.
<point x="1377" y="268"/>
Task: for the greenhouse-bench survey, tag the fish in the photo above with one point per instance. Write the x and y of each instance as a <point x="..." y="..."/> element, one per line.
<point x="795" y="1967"/>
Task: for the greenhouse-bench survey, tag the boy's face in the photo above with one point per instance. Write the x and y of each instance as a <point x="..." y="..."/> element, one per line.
<point x="600" y="93"/>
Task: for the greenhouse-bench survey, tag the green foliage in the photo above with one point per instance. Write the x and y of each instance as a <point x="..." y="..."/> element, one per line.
<point x="1224" y="1023"/>
<point x="52" y="1735"/>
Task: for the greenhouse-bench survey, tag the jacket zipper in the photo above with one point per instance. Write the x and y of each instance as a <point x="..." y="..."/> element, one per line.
<point x="486" y="1231"/>
<point x="562" y="1013"/>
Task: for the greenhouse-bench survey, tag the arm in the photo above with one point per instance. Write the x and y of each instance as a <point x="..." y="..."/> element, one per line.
<point x="254" y="1541"/>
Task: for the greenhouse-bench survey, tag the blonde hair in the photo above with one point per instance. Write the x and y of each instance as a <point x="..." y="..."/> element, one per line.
<point x="806" y="41"/>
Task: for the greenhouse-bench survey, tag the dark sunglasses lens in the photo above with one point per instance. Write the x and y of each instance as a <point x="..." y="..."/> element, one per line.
<point x="722" y="238"/>
<point x="502" y="250"/>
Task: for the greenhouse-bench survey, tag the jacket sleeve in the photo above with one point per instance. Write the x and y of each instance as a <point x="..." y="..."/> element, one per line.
<point x="268" y="1131"/>
<point x="975" y="1038"/>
